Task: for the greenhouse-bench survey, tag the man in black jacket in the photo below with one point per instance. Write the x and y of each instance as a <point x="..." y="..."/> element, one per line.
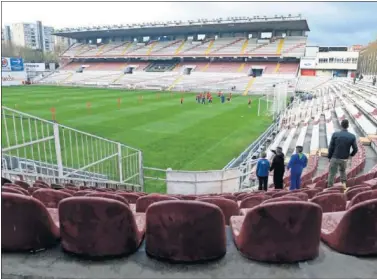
<point x="339" y="152"/>
<point x="278" y="167"/>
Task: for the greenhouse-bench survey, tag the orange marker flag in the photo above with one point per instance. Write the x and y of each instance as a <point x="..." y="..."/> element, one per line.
<point x="53" y="114"/>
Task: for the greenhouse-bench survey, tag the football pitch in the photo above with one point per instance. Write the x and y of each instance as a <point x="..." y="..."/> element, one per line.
<point x="188" y="136"/>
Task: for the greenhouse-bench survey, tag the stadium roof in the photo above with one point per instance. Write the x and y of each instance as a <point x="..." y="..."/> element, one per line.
<point x="186" y="28"/>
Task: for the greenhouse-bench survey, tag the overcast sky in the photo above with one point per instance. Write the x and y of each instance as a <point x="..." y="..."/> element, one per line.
<point x="331" y="23"/>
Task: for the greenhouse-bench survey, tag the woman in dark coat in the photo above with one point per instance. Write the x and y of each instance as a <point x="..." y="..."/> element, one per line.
<point x="278" y="167"/>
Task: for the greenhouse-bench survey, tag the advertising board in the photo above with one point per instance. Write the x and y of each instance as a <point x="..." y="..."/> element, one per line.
<point x="35" y="67"/>
<point x="11" y="64"/>
<point x="308" y="63"/>
<point x="13" y="78"/>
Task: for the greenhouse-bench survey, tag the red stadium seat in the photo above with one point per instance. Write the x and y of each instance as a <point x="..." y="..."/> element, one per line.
<point x="330" y="202"/>
<point x="350" y="193"/>
<point x="252" y="201"/>
<point x="185" y="231"/>
<point x="144" y="202"/>
<point x="107" y="196"/>
<point x="22" y="184"/>
<point x="363" y="196"/>
<point x="354" y="231"/>
<point x="228" y="207"/>
<point x="50" y="197"/>
<point x="279" y="232"/>
<point x="35" y="227"/>
<point x="130" y="197"/>
<point x="99" y="227"/>
<point x="7" y="189"/>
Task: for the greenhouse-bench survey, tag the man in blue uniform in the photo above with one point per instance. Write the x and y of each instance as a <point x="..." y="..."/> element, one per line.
<point x="263" y="167"/>
<point x="297" y="163"/>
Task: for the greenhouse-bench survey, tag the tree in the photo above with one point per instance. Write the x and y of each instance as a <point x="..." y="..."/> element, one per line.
<point x="27" y="54"/>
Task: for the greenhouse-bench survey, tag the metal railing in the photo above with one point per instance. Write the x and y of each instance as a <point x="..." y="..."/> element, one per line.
<point x="36" y="147"/>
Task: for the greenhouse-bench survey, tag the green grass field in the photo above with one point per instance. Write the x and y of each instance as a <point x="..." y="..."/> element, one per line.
<point x="189" y="136"/>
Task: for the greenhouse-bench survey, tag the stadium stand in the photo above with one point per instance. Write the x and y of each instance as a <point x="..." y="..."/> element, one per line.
<point x="101" y="220"/>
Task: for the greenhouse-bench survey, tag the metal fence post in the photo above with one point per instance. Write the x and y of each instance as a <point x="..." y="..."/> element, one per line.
<point x="58" y="150"/>
<point x="120" y="163"/>
<point x="141" y="171"/>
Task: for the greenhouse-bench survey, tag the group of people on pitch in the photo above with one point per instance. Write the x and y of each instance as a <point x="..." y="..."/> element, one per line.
<point x="201" y="97"/>
<point x="338" y="153"/>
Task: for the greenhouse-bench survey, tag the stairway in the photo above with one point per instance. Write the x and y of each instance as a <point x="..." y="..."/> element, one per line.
<point x="249" y="85"/>
<point x="277" y="68"/>
<point x="176" y="81"/>
<point x="118" y="78"/>
<point x="244" y="46"/>
<point x="241" y="67"/>
<point x="205" y="67"/>
<point x="151" y="48"/>
<point x="67" y="78"/>
<point x="128" y="45"/>
<point x="180" y="47"/>
<point x="100" y="50"/>
<point x="208" y="50"/>
<point x="280" y="46"/>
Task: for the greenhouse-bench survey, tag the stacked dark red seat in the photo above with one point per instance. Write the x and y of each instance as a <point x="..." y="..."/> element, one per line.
<point x="251" y="201"/>
<point x="301" y="195"/>
<point x="330" y="202"/>
<point x="350" y="193"/>
<point x="144" y="202"/>
<point x="49" y="197"/>
<point x="353" y="231"/>
<point x="279" y="232"/>
<point x="228" y="207"/>
<point x="185" y="231"/>
<point x="371" y="183"/>
<point x="280" y="194"/>
<point x="82" y="193"/>
<point x="283" y="198"/>
<point x="363" y="196"/>
<point x="35" y="228"/>
<point x="189" y="197"/>
<point x="108" y="196"/>
<point x="22" y="184"/>
<point x="99" y="227"/>
<point x="7" y="189"/>
<point x="71" y="192"/>
<point x="311" y="192"/>
<point x="18" y="188"/>
<point x="130" y="197"/>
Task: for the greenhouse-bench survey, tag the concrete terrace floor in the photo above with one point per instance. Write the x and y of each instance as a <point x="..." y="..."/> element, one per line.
<point x="54" y="263"/>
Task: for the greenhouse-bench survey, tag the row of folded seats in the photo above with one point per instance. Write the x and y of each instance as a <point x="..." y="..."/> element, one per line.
<point x="272" y="226"/>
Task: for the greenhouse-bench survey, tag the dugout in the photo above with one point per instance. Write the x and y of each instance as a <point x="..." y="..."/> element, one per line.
<point x="188" y="69"/>
<point x="256" y="71"/>
<point x="129" y="70"/>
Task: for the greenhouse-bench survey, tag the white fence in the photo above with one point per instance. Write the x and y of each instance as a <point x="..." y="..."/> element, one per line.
<point x="36" y="148"/>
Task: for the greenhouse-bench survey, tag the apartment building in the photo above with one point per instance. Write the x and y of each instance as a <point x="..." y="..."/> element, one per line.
<point x="32" y="35"/>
